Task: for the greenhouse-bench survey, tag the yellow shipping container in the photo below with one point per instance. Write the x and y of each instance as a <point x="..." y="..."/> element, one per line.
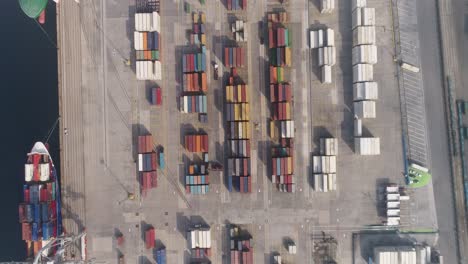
<point x="247" y="111"/>
<point x="229" y="94"/>
<point x="236" y="112"/>
<point x="248" y="129"/>
<point x="288" y="56"/>
<point x="290" y="165"/>
<point x="288" y="111"/>
<point x="203" y="40"/>
<point x="203" y="18"/>
<point x="195" y="18"/>
<point x="272" y="129"/>
<point x="246" y="93"/>
<point x="239" y="93"/>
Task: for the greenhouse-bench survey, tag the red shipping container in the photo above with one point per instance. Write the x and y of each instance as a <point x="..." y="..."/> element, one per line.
<point x="187" y="142"/>
<point x="26" y="198"/>
<point x="141" y="144"/>
<point x="190" y="143"/>
<point x="233" y="257"/>
<point x="208" y="252"/>
<point x="158" y="96"/>
<point x="207" y="179"/>
<point x="244" y="4"/>
<point x="154" y="165"/>
<point x="280" y="92"/>
<point x="242" y="53"/>
<point x="241" y="184"/>
<point x="283" y="166"/>
<point x="194" y="101"/>
<point x="285" y="113"/>
<point x="229" y="4"/>
<point x="239" y="57"/>
<point x="26" y="231"/>
<point x="247" y="148"/>
<point x="150" y="238"/>
<point x="289" y="187"/>
<point x="187" y="189"/>
<point x="206" y="143"/>
<point x="149" y="142"/>
<point x="154" y="179"/>
<point x="272" y="93"/>
<point x="288" y="92"/>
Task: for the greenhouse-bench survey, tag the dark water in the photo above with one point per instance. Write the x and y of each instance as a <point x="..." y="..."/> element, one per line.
<point x="28" y="107"/>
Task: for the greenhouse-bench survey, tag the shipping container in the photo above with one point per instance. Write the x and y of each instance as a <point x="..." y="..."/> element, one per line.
<point x="326" y="74"/>
<point x="366" y="54"/>
<point x="150" y="238"/>
<point x="363" y="73"/>
<point x="367" y="146"/>
<point x="364" y="109"/>
<point x="365" y="91"/>
<point x="327" y="6"/>
<point x="364" y="35"/>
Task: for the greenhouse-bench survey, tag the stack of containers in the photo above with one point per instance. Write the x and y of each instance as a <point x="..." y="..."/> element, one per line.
<point x="324" y="166"/>
<point x="239" y="29"/>
<point x="327" y="6"/>
<point x="279" y="44"/>
<point x="324" y="42"/>
<point x="236" y="4"/>
<point x="197" y="179"/>
<point x="365" y="89"/>
<point x="238" y="136"/>
<point x="234" y="57"/>
<point x="194" y="62"/>
<point x="198" y="29"/>
<point x="160" y="256"/>
<point x="196" y="143"/>
<point x="200" y="242"/>
<point x="193" y="104"/>
<point x="156" y="96"/>
<point x="281" y="103"/>
<point x="147" y="164"/>
<point x="241" y="246"/>
<point x="147" y="44"/>
<point x="150" y="238"/>
<point x="283" y="166"/>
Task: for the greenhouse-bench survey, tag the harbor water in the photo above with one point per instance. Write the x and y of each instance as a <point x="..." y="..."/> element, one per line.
<point x="29" y="107"/>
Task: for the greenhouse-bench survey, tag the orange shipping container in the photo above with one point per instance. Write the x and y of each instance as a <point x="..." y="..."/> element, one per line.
<point x="198" y="144"/>
<point x="203" y="81"/>
<point x="145" y="40"/>
<point x="191" y="170"/>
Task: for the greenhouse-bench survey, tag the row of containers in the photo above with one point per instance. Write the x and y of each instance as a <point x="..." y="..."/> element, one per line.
<point x="148" y="70"/>
<point x="239" y="176"/>
<point x="194" y="62"/>
<point x="38" y="231"/>
<point x="40" y="173"/>
<point x="241" y="246"/>
<point x="38" y="212"/>
<point x="193" y="104"/>
<point x="282" y="166"/>
<point x="278" y="36"/>
<point x="236" y="4"/>
<point x="281" y="56"/>
<point x="324" y="166"/>
<point x="234" y="57"/>
<point x="365" y="89"/>
<point x="147" y="163"/>
<point x="198" y="36"/>
<point x="36" y="193"/>
<point x="237" y="112"/>
<point x="323" y="40"/>
<point x="237" y="93"/>
<point x="197" y="180"/>
<point x="195" y="82"/>
<point x="196" y="142"/>
<point x="147" y="45"/>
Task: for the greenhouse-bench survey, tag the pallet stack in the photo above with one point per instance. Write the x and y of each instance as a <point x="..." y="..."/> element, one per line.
<point x="147" y="164"/>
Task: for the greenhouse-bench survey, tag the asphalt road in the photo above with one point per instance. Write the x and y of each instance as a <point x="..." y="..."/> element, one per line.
<point x="437" y="128"/>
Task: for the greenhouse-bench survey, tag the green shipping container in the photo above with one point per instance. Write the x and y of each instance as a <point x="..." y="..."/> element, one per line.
<point x="280" y="74"/>
<point x="286" y="37"/>
<point x="155" y="54"/>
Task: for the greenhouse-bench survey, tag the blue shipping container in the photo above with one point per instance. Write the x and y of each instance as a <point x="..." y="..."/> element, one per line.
<point x="203" y="63"/>
<point x="150" y="38"/>
<point x="45" y="231"/>
<point x="161" y="256"/>
<point x="196" y="62"/>
<point x="35" y="231"/>
<point x="34" y="193"/>
<point x="184" y="63"/>
<point x="37" y="213"/>
<point x="230" y="56"/>
<point x="278" y="166"/>
<point x="45" y="212"/>
<point x="29" y="212"/>
<point x="204" y="104"/>
<point x="156" y="40"/>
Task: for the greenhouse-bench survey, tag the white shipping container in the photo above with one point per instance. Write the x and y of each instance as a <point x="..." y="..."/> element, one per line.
<point x="357" y="127"/>
<point x="44" y="171"/>
<point x="363" y="35"/>
<point x="156" y="26"/>
<point x="364" y="109"/>
<point x="137" y="40"/>
<point x="367" y="146"/>
<point x="330" y="37"/>
<point x="328" y="146"/>
<point x="358" y="3"/>
<point x="140" y="162"/>
<point x="314" y="41"/>
<point x="366" y="54"/>
<point x="138" y="22"/>
<point x="365" y="91"/>
<point x="316" y="164"/>
<point x="363" y="73"/>
<point x="28" y="172"/>
<point x="325" y="182"/>
<point x="329" y="56"/>
<point x="320" y="38"/>
<point x="326" y="74"/>
<point x="332" y="182"/>
<point x="368" y="16"/>
<point x="356" y="18"/>
<point x="318" y="179"/>
<point x="393" y="204"/>
<point x="157" y="71"/>
<point x="321" y="56"/>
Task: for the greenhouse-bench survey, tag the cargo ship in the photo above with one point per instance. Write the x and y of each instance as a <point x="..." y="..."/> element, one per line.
<point x="35" y="9"/>
<point x="40" y="210"/>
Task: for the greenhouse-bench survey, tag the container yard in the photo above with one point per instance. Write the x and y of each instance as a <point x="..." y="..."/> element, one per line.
<point x="233" y="140"/>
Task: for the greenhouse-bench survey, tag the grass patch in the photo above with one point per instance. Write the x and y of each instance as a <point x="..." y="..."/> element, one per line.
<point x="418" y="178"/>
